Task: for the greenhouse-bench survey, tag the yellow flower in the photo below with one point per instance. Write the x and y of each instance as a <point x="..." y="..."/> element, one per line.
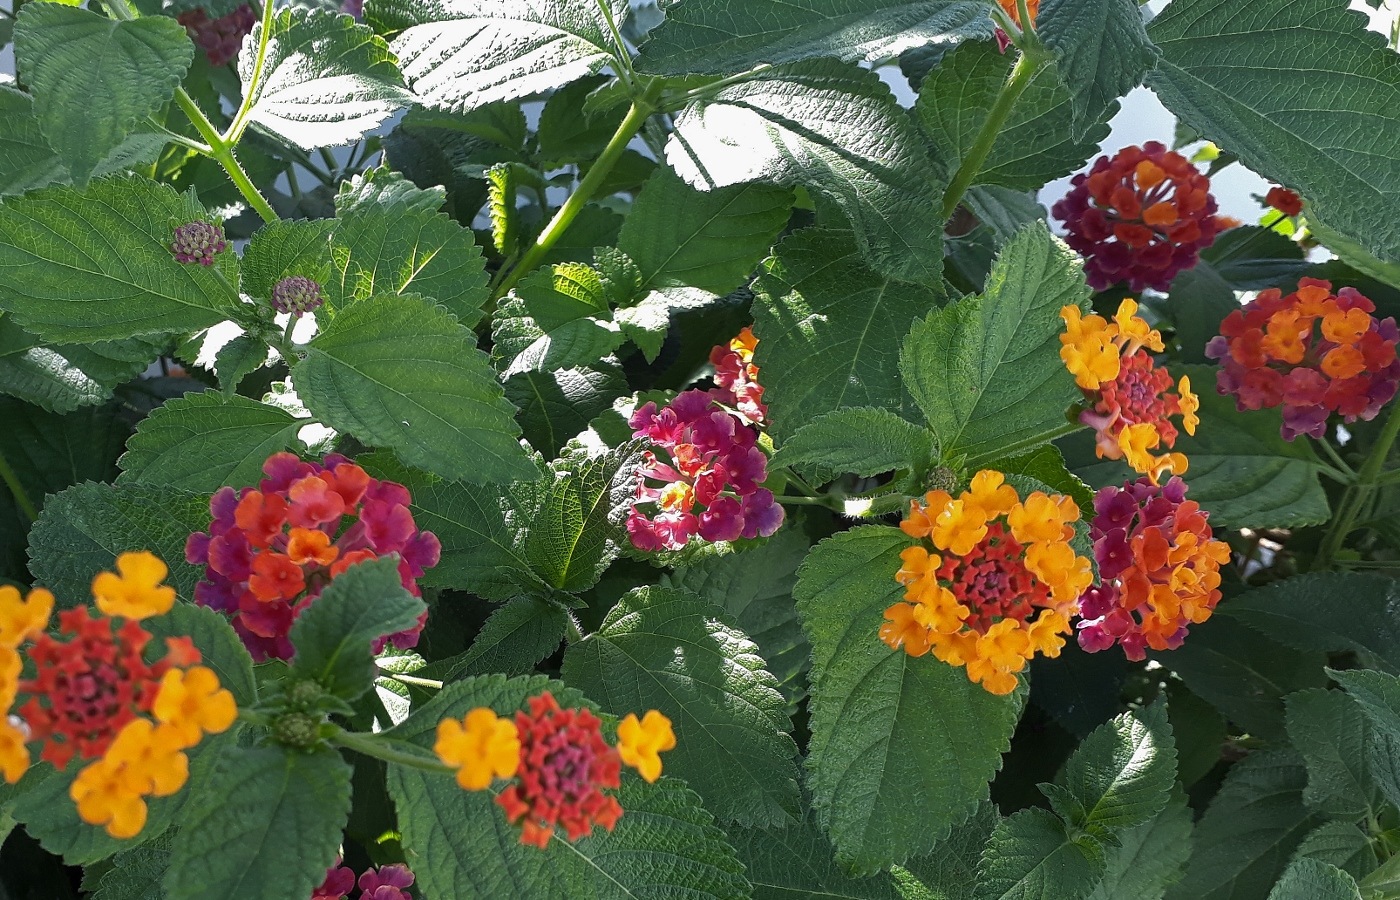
<point x="1087" y="349"/>
<point x="14" y="755"/>
<point x="640" y="743"/>
<point x="1134" y="330"/>
<point x="137" y="592"/>
<point x="191" y="703"/>
<point x="10" y="668"/>
<point x="482" y="746"/>
<point x="22" y="619"/>
<point x="959" y="527"/>
<point x="104" y="797"/>
<point x="1190" y="405"/>
<point x="1042" y="518"/>
<point x="150" y="758"/>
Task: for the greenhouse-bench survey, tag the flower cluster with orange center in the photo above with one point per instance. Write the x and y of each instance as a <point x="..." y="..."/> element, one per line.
<point x="1159" y="566"/>
<point x="1001" y="586"/>
<point x="270" y="551"/>
<point x="94" y="696"/>
<point x="1128" y="399"/>
<point x="1311" y="352"/>
<point x="559" y="763"/>
<point x="1140" y="217"/>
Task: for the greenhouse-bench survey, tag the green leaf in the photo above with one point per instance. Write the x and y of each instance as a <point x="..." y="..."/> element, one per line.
<point x="755" y="589"/>
<point x="81" y="531"/>
<point x="1378" y="694"/>
<point x="986" y="370"/>
<point x="1332" y="734"/>
<point x="1359" y="615"/>
<point x="201" y="442"/>
<point x="50" y="452"/>
<point x="950" y="871"/>
<point x="1121" y="776"/>
<point x="501" y="203"/>
<point x="1031" y="857"/>
<point x="571" y="130"/>
<point x="1150" y="857"/>
<point x="266" y="823"/>
<point x="333" y="635"/>
<point x="400" y="372"/>
<point x="96" y="80"/>
<point x="558" y="318"/>
<point x="864" y="440"/>
<point x="1244" y="840"/>
<point x="474" y="52"/>
<point x="326" y="80"/>
<point x="135" y="874"/>
<point x="555" y="407"/>
<point x="664" y="845"/>
<point x="219" y="645"/>
<point x="1046" y="465"/>
<point x="1242" y="471"/>
<point x="1311" y="879"/>
<point x="902" y="749"/>
<point x="797" y="861"/>
<point x="1341" y="844"/>
<point x="1103" y="52"/>
<point x="285" y="248"/>
<point x="576" y="530"/>
<point x="732" y="741"/>
<point x="711" y="240"/>
<point x="827" y="328"/>
<point x="238" y="359"/>
<point x="26" y="159"/>
<point x="517" y="636"/>
<point x="736" y="35"/>
<point x="385" y="190"/>
<point x="1220" y="72"/>
<point x="647" y="323"/>
<point x="1037" y="144"/>
<point x="95" y="265"/>
<point x="44" y="376"/>
<point x="835" y="129"/>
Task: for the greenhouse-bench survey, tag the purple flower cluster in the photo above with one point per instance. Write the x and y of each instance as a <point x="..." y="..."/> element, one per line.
<point x="385" y="883"/>
<point x="296" y="295"/>
<point x="220" y="38"/>
<point x="198" y="242"/>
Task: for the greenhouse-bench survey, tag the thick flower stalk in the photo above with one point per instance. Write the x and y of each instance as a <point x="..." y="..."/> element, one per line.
<point x="1311" y="352"/>
<point x="999" y="585"/>
<point x="1159" y="569"/>
<point x="1129" y="401"/>
<point x="271" y="550"/>
<point x="704" y="472"/>
<point x="220" y="38"/>
<point x="561" y="768"/>
<point x="1141" y="217"/>
<point x="94" y="697"/>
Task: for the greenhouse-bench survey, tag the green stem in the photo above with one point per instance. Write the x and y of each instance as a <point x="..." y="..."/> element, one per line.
<point x="418" y="682"/>
<point x="1336" y="458"/>
<point x="379" y="748"/>
<point x="624" y="57"/>
<point x="7" y="474"/>
<point x="1354" y="500"/>
<point x="636" y="117"/>
<point x="1021" y="74"/>
<point x="789" y="500"/>
<point x="572" y="633"/>
<point x="234" y="134"/>
<point x="1021" y="446"/>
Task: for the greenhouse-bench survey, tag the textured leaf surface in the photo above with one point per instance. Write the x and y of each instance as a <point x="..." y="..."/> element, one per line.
<point x="136" y="874"/>
<point x="1311" y="879"/>
<point x="45" y="377"/>
<point x="901" y="748"/>
<point x="1031" y="857"/>
<point x="1334" y="136"/>
<point x="828" y="327"/>
<point x="400" y="372"/>
<point x="200" y="442"/>
<point x="1122" y="774"/>
<point x="95" y="265"/>
<point x="1378" y="694"/>
<point x="577" y="529"/>
<point x="836" y="130"/>
<point x="1103" y="52"/>
<point x="517" y="636"/>
<point x="26" y="159"/>
<point x="1362" y="614"/>
<point x="986" y="370"/>
<point x="1150" y="857"/>
<point x="1332" y="734"/>
<point x="96" y="79"/>
<point x="732" y="742"/>
<point x="863" y="440"/>
<point x="326" y="80"/>
<point x="1341" y="844"/>
<point x="950" y="871"/>
<point x="558" y="318"/>
<point x="555" y="407"/>
<point x="284" y="248"/>
<point x="797" y="862"/>
<point x="219" y="645"/>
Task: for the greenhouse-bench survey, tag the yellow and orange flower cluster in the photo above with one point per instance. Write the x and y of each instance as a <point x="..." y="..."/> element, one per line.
<point x="1002" y="586"/>
<point x="94" y="696"/>
<point x="1012" y="9"/>
<point x="1129" y="400"/>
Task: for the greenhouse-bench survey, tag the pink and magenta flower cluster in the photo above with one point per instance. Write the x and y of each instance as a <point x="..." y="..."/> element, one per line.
<point x="385" y="883"/>
<point x="270" y="551"/>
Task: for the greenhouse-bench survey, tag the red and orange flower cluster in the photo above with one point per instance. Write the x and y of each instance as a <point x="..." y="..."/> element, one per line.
<point x="1129" y="400"/>
<point x="95" y="697"/>
<point x="561" y="765"/>
<point x="1140" y="217"/>
<point x="1001" y="587"/>
<point x="709" y="480"/>
<point x="1312" y="352"/>
<point x="270" y="551"/>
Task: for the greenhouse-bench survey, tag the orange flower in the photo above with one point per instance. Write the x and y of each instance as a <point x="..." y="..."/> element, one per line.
<point x="191" y="704"/>
<point x="640" y="743"/>
<point x="481" y="747"/>
<point x="137" y="593"/>
<point x="14" y="755"/>
<point x="1012" y="9"/>
<point x="310" y="546"/>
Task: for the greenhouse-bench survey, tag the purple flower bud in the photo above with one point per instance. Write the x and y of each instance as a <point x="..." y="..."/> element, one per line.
<point x="198" y="242"/>
<point x="296" y="295"/>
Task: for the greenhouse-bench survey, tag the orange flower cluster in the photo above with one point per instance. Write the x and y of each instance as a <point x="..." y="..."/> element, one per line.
<point x="1012" y="9"/>
<point x="1129" y="400"/>
<point x="1002" y="587"/>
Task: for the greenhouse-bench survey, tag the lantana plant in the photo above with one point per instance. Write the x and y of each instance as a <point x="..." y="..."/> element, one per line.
<point x="711" y="449"/>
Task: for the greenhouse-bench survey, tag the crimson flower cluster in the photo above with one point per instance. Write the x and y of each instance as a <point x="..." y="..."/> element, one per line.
<point x="220" y="38"/>
<point x="1141" y="216"/>
<point x="270" y="551"/>
<point x="710" y="467"/>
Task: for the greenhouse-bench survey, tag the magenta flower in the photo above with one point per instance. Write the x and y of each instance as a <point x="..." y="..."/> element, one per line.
<point x="388" y="883"/>
<point x="198" y="242"/>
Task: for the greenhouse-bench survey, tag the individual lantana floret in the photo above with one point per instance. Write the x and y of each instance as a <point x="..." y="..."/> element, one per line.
<point x="389" y="882"/>
<point x="1284" y="200"/>
<point x="220" y="38"/>
<point x="559" y="764"/>
<point x="297" y="295"/>
<point x="712" y="468"/>
<point x="1141" y="217"/>
<point x="1159" y="569"/>
<point x="198" y="242"/>
<point x="1002" y="586"/>
<point x="1013" y="10"/>
<point x="1129" y="401"/>
<point x="1311" y="352"/>
<point x="270" y="551"/>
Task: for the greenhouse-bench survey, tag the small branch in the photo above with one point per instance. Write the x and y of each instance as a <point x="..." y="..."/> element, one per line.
<point x="1354" y="500"/>
<point x="26" y="506"/>
<point x="234" y="134"/>
<point x="380" y="748"/>
<point x="417" y="682"/>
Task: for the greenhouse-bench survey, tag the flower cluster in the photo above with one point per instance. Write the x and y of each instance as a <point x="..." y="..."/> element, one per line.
<point x="1312" y="352"/>
<point x="1129" y="400"/>
<point x="559" y="761"/>
<point x="1284" y="200"/>
<point x="198" y="242"/>
<point x="1002" y="586"/>
<point x="389" y="882"/>
<point x="1159" y="569"/>
<point x="93" y="695"/>
<point x="270" y="551"/>
<point x="1013" y="9"/>
<point x="297" y="295"/>
<point x="713" y="463"/>
<point x="220" y="38"/>
<point x="1140" y="217"/>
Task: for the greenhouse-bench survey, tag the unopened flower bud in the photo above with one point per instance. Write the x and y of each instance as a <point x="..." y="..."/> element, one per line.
<point x="198" y="242"/>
